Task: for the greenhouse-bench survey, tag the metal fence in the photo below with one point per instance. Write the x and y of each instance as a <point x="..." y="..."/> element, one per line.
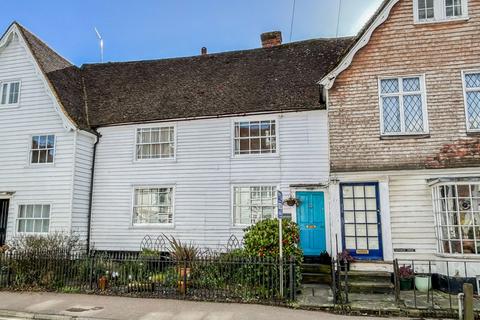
<point x="435" y="284"/>
<point x="221" y="277"/>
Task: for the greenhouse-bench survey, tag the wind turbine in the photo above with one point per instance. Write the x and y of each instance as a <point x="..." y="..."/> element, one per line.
<point x="101" y="43"/>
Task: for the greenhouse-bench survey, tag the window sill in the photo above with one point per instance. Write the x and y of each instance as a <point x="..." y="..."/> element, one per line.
<point x="155" y="161"/>
<point x="256" y="156"/>
<point x="473" y="133"/>
<point x="153" y="226"/>
<point x="450" y="20"/>
<point x="405" y="136"/>
<point x="39" y="165"/>
<point x="459" y="256"/>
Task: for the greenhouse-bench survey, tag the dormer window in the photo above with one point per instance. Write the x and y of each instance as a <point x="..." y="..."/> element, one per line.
<point x="9" y="92"/>
<point x="439" y="10"/>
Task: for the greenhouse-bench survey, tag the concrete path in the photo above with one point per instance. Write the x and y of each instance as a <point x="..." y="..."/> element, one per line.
<point x="76" y="306"/>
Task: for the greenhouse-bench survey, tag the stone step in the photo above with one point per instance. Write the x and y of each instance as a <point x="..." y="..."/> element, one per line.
<point x="316" y="278"/>
<point x="369" y="287"/>
<point x="367" y="276"/>
<point x="316" y="268"/>
<point x="385" y="266"/>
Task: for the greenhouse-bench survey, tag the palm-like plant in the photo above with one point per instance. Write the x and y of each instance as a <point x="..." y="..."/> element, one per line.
<point x="181" y="251"/>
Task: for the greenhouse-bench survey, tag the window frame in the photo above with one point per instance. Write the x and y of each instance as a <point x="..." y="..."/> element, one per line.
<point x="30" y="150"/>
<point x="465" y="90"/>
<point x="440" y="12"/>
<point x="436" y="199"/>
<point x="9" y="82"/>
<point x="401" y="94"/>
<point x="275" y="119"/>
<point x="155" y="126"/>
<point x="249" y="185"/>
<point x="32" y="203"/>
<point x="170" y="225"/>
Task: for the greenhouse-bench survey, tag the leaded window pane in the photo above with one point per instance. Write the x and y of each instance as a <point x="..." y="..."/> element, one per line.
<point x="402" y="106"/>
<point x="472" y="97"/>
<point x="391" y="114"/>
<point x="413" y="113"/>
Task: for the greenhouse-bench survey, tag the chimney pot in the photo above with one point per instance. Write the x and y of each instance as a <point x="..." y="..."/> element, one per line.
<point x="204" y="51"/>
<point x="271" y="39"/>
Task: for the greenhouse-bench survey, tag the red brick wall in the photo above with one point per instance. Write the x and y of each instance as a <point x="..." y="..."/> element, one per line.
<point x="399" y="47"/>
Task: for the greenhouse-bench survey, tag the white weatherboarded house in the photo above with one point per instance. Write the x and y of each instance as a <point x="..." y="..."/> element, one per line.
<point x="46" y="157"/>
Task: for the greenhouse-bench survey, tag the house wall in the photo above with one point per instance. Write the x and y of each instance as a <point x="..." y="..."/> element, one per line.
<point x="398" y="47"/>
<point x="407" y="209"/>
<point x="35" y="114"/>
<point x="202" y="173"/>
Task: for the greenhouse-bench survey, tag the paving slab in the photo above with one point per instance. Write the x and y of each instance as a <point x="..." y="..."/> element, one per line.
<point x="53" y="306"/>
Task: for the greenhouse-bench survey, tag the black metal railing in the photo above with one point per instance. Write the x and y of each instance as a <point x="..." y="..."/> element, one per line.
<point x="220" y="277"/>
<point x="434" y="284"/>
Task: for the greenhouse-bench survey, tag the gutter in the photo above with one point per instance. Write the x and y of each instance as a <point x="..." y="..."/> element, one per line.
<point x="90" y="195"/>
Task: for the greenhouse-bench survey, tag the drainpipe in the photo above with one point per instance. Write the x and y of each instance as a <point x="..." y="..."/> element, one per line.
<point x="90" y="196"/>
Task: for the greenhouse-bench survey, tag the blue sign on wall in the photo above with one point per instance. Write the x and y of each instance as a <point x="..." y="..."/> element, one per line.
<point x="280" y="204"/>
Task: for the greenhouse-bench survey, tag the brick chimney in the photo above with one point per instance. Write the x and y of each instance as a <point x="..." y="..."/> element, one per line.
<point x="204" y="51"/>
<point x="271" y="39"/>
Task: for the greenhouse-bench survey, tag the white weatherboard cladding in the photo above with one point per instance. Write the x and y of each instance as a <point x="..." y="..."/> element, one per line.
<point x="35" y="114"/>
<point x="202" y="173"/>
<point x="406" y="203"/>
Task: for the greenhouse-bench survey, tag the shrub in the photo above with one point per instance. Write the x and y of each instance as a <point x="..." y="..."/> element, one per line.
<point x="261" y="240"/>
<point x="57" y="242"/>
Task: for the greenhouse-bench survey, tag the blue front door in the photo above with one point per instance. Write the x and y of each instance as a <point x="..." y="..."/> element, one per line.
<point x="311" y="220"/>
<point x="361" y="220"/>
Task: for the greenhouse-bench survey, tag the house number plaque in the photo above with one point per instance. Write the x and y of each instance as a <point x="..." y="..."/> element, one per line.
<point x="362" y="251"/>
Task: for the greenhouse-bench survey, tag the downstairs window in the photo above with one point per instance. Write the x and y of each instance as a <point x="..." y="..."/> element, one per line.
<point x="457" y="216"/>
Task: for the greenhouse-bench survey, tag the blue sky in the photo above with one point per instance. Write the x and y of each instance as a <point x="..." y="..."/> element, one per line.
<point x="152" y="29"/>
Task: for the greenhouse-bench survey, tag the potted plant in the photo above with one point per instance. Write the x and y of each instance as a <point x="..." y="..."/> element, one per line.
<point x="292" y="201"/>
<point x="423" y="282"/>
<point x="405" y="274"/>
<point x="325" y="262"/>
<point x="345" y="259"/>
<point x="183" y="255"/>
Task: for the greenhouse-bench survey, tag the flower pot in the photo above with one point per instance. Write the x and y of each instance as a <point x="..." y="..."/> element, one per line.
<point x="423" y="283"/>
<point x="406" y="283"/>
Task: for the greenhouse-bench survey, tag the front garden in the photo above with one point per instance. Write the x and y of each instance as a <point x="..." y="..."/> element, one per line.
<point x="251" y="273"/>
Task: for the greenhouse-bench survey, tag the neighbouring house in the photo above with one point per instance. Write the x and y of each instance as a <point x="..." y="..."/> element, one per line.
<point x="404" y="130"/>
<point x="45" y="161"/>
<point x="192" y="147"/>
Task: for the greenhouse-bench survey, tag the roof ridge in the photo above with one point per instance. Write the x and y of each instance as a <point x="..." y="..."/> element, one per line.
<point x="223" y="53"/>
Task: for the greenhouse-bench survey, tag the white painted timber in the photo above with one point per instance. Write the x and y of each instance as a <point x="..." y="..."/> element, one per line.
<point x="410" y="218"/>
<point x="35" y="114"/>
<point x="202" y="173"/>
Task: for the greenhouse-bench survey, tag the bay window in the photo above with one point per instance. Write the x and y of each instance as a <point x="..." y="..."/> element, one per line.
<point x="457" y="216"/>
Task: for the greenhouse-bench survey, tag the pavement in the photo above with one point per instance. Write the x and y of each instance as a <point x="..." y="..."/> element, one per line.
<point x="55" y="306"/>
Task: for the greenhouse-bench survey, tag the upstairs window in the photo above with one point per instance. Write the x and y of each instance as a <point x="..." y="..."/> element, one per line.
<point x="440" y="10"/>
<point x="155" y="143"/>
<point x="10" y="92"/>
<point x="472" y="100"/>
<point x="42" y="149"/>
<point x="255" y="137"/>
<point x="403" y="106"/>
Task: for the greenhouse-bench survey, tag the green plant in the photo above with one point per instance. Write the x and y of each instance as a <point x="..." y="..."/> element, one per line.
<point x="56" y="243"/>
<point x="325" y="258"/>
<point x="181" y="251"/>
<point x="262" y="240"/>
